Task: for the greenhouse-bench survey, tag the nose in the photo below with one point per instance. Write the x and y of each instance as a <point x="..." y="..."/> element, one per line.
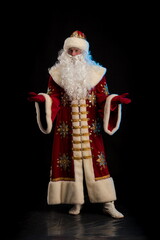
<point x="73" y="53"/>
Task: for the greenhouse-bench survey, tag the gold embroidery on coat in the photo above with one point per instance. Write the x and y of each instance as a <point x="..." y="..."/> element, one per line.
<point x="101" y="161"/>
<point x="92" y="98"/>
<point x="105" y="89"/>
<point x="50" y="91"/>
<point x="63" y="161"/>
<point x="64" y="99"/>
<point x="63" y="129"/>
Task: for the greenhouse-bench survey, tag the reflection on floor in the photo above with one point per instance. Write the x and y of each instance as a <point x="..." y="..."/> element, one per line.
<point x="54" y="223"/>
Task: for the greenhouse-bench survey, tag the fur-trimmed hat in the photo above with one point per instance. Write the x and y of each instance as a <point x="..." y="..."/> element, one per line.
<point x="78" y="40"/>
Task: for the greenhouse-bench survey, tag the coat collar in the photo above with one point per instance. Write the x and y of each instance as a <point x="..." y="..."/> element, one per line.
<point x="96" y="74"/>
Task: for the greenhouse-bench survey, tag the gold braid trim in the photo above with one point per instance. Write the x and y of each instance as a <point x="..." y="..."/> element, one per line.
<point x="78" y="127"/>
<point x="62" y="179"/>
<point x="80" y="158"/>
<point x="83" y="141"/>
<point x="104" y="177"/>
<point x="79" y="105"/>
<point x="80" y="120"/>
<point x="81" y="134"/>
<point x="81" y="149"/>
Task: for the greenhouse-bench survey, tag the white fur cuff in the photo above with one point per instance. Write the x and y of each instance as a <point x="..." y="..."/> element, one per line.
<point x="108" y="116"/>
<point x="48" y="104"/>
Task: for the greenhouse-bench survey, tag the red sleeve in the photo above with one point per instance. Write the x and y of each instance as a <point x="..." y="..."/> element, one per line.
<point x="54" y="92"/>
<point x="102" y="93"/>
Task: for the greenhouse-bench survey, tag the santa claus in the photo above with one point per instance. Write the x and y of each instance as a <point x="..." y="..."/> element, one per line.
<point x="78" y="101"/>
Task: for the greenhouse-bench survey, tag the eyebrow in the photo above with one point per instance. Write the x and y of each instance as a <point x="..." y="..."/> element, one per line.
<point x="74" y="48"/>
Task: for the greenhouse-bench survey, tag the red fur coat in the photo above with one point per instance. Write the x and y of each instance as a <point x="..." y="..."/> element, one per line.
<point x="78" y="149"/>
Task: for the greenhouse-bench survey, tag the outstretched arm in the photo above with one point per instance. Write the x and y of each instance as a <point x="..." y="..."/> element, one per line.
<point x="52" y="105"/>
<point x="110" y="107"/>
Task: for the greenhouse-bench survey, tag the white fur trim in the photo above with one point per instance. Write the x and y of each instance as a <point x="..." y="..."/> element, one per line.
<point x="48" y="104"/>
<point x="107" y="115"/>
<point x="76" y="42"/>
<point x="67" y="192"/>
<point x="72" y="192"/>
<point x="96" y="74"/>
<point x="101" y="191"/>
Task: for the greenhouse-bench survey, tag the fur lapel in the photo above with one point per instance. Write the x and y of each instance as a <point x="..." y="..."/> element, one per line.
<point x="97" y="72"/>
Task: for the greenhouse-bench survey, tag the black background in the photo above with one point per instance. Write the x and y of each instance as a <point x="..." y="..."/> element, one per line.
<point x="121" y="37"/>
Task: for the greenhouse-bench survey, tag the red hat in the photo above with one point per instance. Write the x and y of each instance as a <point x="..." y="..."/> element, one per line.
<point x="78" y="40"/>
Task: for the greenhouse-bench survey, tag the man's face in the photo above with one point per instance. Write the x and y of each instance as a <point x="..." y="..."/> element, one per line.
<point x="73" y="51"/>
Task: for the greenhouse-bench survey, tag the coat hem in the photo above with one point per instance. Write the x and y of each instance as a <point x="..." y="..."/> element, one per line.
<point x="67" y="192"/>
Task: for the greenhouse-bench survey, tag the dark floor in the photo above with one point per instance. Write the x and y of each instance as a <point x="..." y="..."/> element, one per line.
<point x="54" y="223"/>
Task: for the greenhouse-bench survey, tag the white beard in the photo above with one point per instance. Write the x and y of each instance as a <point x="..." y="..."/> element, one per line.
<point x="75" y="74"/>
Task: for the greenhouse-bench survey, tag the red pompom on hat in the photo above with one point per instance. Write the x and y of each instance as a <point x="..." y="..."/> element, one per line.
<point x="78" y="40"/>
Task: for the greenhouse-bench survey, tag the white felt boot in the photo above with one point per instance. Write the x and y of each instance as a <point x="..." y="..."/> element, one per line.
<point x="75" y="210"/>
<point x="109" y="208"/>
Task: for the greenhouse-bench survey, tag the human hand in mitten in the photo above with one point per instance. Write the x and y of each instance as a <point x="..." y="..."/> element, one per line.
<point x="119" y="99"/>
<point x="34" y="97"/>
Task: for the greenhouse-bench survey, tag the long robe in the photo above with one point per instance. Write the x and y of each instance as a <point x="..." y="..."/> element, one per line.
<point x="78" y="152"/>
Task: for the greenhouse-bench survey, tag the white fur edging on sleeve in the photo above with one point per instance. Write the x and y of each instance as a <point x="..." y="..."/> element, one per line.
<point x="107" y="112"/>
<point x="48" y="104"/>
